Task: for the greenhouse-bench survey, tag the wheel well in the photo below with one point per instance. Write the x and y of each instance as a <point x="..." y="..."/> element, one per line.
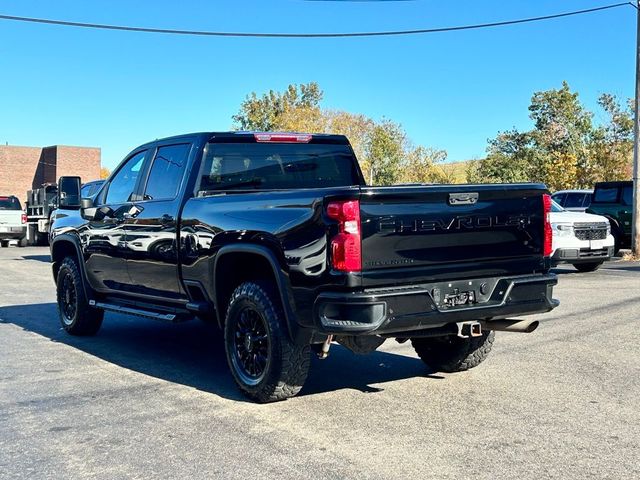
<point x="232" y="269"/>
<point x="59" y="252"/>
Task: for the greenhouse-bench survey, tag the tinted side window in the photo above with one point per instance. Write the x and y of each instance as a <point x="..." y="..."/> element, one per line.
<point x="122" y="185"/>
<point x="605" y="195"/>
<point x="559" y="198"/>
<point x="574" y="200"/>
<point x="627" y="195"/>
<point x="587" y="200"/>
<point x="166" y="172"/>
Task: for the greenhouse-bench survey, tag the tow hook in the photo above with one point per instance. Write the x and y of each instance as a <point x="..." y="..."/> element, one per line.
<point x="324" y="352"/>
<point x="469" y="329"/>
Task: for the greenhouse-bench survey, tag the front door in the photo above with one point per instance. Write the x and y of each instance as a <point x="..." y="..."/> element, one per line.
<point x="152" y="246"/>
<point x="103" y="240"/>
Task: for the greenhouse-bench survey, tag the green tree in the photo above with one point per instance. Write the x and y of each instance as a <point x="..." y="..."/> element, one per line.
<point x="510" y="158"/>
<point x="385" y="151"/>
<point x="611" y="144"/>
<point x="265" y="113"/>
<point x="563" y="149"/>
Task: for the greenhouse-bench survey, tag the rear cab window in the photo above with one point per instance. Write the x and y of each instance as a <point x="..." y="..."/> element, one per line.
<point x="605" y="195"/>
<point x="166" y="172"/>
<point x="276" y="166"/>
<point x="10" y="203"/>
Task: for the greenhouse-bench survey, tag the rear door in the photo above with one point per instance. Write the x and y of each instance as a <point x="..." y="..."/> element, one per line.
<point x="152" y="253"/>
<point x="426" y="233"/>
<point x="626" y="209"/>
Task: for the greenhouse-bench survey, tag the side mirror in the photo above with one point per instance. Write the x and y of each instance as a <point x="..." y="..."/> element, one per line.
<point x="69" y="193"/>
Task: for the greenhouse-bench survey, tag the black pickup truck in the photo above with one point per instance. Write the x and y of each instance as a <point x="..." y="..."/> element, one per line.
<point x="277" y="239"/>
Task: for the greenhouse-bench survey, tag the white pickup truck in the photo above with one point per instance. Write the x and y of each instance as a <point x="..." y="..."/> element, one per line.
<point x="581" y="239"/>
<point x="13" y="221"/>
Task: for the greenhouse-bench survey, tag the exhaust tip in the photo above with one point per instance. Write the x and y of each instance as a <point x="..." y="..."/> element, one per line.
<point x="532" y="326"/>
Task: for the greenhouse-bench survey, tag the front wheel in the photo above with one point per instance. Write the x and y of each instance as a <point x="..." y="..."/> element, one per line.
<point x="588" y="267"/>
<point x="454" y="354"/>
<point x="76" y="315"/>
<point x="265" y="363"/>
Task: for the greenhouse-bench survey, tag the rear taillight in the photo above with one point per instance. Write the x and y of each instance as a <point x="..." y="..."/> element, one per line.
<point x="283" y="137"/>
<point x="24" y="218"/>
<point x="346" y="246"/>
<point x="548" y="232"/>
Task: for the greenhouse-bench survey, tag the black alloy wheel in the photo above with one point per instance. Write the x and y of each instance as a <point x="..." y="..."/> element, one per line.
<point x="251" y="346"/>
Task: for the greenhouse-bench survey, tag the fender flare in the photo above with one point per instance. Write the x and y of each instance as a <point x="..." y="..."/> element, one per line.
<point x="282" y="283"/>
<point x="613" y="221"/>
<point x="75" y="241"/>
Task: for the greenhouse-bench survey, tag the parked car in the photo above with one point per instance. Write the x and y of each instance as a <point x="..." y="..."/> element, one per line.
<point x="91" y="188"/>
<point x="573" y="200"/>
<point x="277" y="239"/>
<point x="581" y="239"/>
<point x="13" y="221"/>
<point x="614" y="200"/>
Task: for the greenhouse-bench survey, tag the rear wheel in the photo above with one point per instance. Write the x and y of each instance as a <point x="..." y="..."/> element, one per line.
<point x="4" y="244"/>
<point x="454" y="354"/>
<point x="588" y="267"/>
<point x="22" y="242"/>
<point x="76" y="315"/>
<point x="265" y="363"/>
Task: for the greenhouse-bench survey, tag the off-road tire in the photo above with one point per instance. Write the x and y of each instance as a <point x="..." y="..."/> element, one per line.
<point x="23" y="242"/>
<point x="4" y="244"/>
<point x="287" y="363"/>
<point x="454" y="354"/>
<point x="77" y="317"/>
<point x="588" y="267"/>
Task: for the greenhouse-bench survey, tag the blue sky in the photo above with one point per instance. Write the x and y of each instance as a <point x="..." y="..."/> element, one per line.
<point x="453" y="90"/>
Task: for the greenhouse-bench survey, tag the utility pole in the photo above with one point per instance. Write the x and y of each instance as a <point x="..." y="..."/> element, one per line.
<point x="635" y="218"/>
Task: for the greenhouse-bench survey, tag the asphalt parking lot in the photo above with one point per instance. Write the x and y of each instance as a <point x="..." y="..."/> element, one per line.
<point x="144" y="399"/>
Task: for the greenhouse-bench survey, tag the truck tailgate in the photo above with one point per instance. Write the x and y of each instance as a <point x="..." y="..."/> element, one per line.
<point x="425" y="233"/>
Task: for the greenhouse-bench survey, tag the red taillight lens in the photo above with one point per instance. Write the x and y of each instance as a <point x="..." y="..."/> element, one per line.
<point x="548" y="232"/>
<point x="24" y="218"/>
<point x="283" y="137"/>
<point x="346" y="246"/>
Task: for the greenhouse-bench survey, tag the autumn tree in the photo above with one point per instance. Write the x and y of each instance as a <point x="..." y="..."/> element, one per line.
<point x="265" y="112"/>
<point x="424" y="165"/>
<point x="564" y="149"/>
<point x="382" y="148"/>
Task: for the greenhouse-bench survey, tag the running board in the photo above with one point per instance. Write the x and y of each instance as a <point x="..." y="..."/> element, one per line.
<point x="109" y="307"/>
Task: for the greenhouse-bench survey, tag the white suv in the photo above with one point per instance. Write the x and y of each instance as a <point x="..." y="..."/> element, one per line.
<point x="582" y="239"/>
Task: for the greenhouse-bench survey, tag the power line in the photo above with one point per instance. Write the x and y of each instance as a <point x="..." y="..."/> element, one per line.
<point x="308" y="35"/>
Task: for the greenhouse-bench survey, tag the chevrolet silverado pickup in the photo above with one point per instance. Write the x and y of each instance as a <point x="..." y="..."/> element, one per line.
<point x="276" y="238"/>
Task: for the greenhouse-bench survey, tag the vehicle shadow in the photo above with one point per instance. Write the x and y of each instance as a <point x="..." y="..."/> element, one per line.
<point x="192" y="353"/>
<point x="38" y="258"/>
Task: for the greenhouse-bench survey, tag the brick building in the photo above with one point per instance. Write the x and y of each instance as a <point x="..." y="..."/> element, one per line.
<point x="25" y="168"/>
